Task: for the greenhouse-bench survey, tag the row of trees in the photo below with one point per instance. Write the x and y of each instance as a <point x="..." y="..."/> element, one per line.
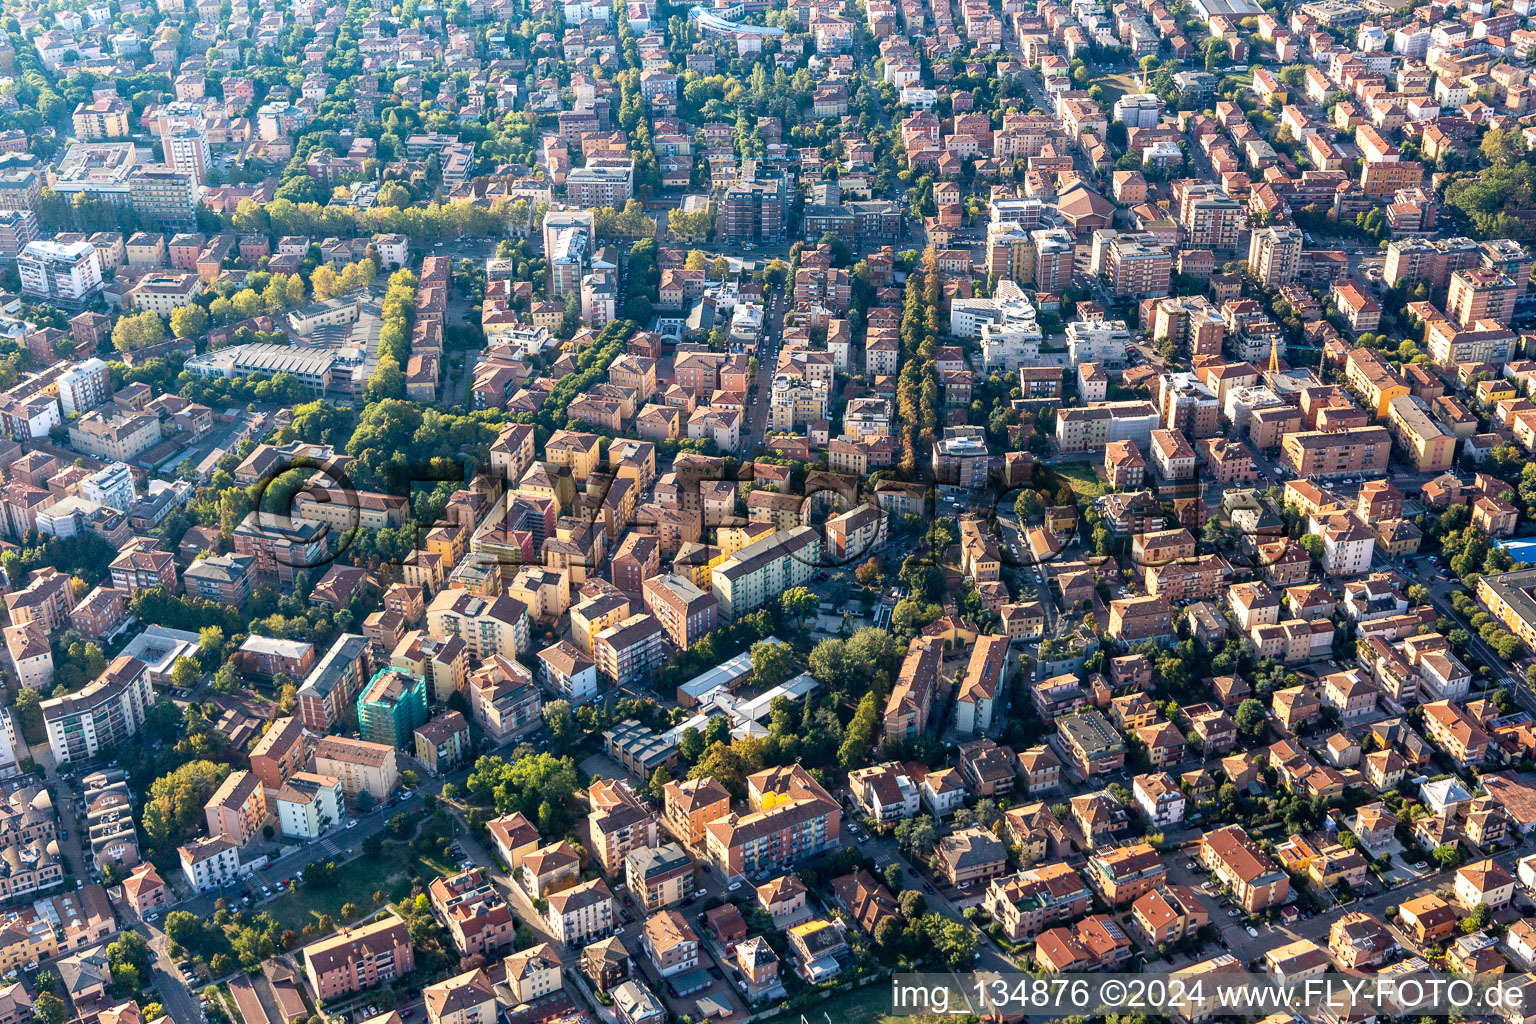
<point x="917" y="388"/>
<point x="399" y="308"/>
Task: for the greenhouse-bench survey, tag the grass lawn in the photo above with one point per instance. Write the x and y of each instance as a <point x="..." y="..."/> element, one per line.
<point x="1115" y="86"/>
<point x="1080" y="475"/>
<point x="360" y="878"/>
<point x="868" y="1005"/>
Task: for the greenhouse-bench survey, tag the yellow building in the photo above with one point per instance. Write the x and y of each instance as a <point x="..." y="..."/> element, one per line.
<point x="1374" y="380"/>
<point x="574" y="449"/>
<point x="1432" y="447"/>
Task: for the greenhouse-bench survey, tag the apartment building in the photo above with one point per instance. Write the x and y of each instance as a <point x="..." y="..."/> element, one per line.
<point x="238" y="808"/>
<point x="390" y="707"/>
<point x="618" y="823"/>
<point x="1372" y="378"/>
<point x="690" y="805"/>
<point x="359" y="958"/>
<point x="684" y="611"/>
<point x="308" y="805"/>
<point x="478" y="920"/>
<point x="659" y="876"/>
<point x="331" y="686"/>
<point x="468" y="998"/>
<point x="280" y="752"/>
<point x="582" y="913"/>
<point x="1138" y="266"/>
<point x="790" y="818"/>
<point x="1140" y="618"/>
<point x="1432" y="261"/>
<point x="764" y="569"/>
<point x="1274" y="255"/>
<point x="361" y="765"/>
<point x="1252" y="876"/>
<point x="1431" y="446"/>
<point x="210" y="862"/>
<point x="1331" y="454"/>
<point x="910" y="701"/>
<point x="1092" y="742"/>
<point x="1481" y="293"/>
<point x="487" y="626"/>
<point x="105" y="713"/>
<point x="1096" y="425"/>
<point x="1448" y="726"/>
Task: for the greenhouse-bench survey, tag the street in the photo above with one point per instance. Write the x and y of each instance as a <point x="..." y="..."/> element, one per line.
<point x="767" y="361"/>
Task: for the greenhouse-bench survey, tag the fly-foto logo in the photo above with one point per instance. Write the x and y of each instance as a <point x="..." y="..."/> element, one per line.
<point x="1024" y="523"/>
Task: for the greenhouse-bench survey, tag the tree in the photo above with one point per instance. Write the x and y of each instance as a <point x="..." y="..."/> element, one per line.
<point x="690" y="744"/>
<point x="1028" y="505"/>
<point x="869" y="573"/>
<point x="29" y="714"/>
<point x="724" y="763"/>
<point x="887" y="933"/>
<point x="860" y="734"/>
<point x="916" y="835"/>
<point x="717" y="730"/>
<point x="324" y="282"/>
<point x="189" y="321"/>
<point x="1502" y="147"/>
<point x="1447" y="856"/>
<point x="185" y="674"/>
<point x="799" y="603"/>
<point x="138" y="330"/>
<point x="913" y="904"/>
<point x="1313" y="545"/>
<point x="130" y="959"/>
<point x="719" y="268"/>
<point x="48" y="1008"/>
<point x="184" y="928"/>
<point x="226" y="679"/>
<point x="561" y="722"/>
<point x="1252" y="722"/>
<point x="177" y="800"/>
<point x="659" y="780"/>
<point x="770" y="663"/>
<point x="829" y="663"/>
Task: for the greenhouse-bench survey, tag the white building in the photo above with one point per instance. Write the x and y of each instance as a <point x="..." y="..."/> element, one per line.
<point x="1138" y="110"/>
<point x="186" y="149"/>
<point x="393" y="250"/>
<point x="164" y="293"/>
<point x="308" y="804"/>
<point x="582" y="913"/>
<point x="107" y="712"/>
<point x="1098" y="341"/>
<point x="1371" y="37"/>
<point x="69" y="273"/>
<point x="84" y="387"/>
<point x="67" y="518"/>
<point x="1159" y="797"/>
<point x="1347" y="544"/>
<point x="919" y="98"/>
<point x="210" y="862"/>
<point x="112" y="486"/>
